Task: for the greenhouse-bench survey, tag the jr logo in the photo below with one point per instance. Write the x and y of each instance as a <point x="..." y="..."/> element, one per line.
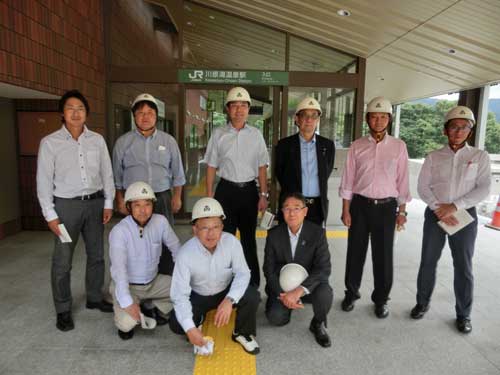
<point x="197" y="74"/>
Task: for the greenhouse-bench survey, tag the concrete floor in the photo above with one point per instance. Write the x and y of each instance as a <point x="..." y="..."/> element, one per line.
<point x="362" y="344"/>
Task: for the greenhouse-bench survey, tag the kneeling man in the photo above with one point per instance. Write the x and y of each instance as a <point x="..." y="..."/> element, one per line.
<point x="211" y="273"/>
<point x="135" y="246"/>
<point x="302" y="242"/>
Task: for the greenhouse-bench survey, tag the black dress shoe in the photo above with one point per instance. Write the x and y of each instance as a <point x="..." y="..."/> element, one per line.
<point x="156" y="315"/>
<point x="348" y="303"/>
<point x="463" y="325"/>
<point x="65" y="321"/>
<point x="320" y="334"/>
<point x="126" y="335"/>
<point x="102" y="305"/>
<point x="382" y="310"/>
<point x="419" y="311"/>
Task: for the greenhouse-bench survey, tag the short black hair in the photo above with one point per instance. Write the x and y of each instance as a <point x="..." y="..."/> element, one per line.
<point x="294" y="194"/>
<point x="73" y="94"/>
<point x="142" y="103"/>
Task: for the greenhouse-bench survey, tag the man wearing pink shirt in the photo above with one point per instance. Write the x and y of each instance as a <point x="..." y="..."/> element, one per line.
<point x="374" y="190"/>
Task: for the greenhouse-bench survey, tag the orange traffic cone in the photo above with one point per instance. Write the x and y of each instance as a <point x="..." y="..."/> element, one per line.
<point x="495" y="221"/>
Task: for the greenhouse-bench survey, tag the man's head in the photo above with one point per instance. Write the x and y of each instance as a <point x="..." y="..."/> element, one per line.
<point x="145" y="111"/>
<point x="294" y="210"/>
<point x="378" y="115"/>
<point x="238" y="105"/>
<point x="458" y="124"/>
<point x="139" y="199"/>
<point x="307" y="116"/>
<point x="74" y="108"/>
<point x="207" y="224"/>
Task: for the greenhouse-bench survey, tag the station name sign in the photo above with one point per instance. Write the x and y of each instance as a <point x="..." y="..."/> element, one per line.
<point x="233" y="77"/>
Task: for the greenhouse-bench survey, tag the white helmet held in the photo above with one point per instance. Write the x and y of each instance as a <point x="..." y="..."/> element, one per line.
<point x="308" y="103"/>
<point x="379" y="104"/>
<point x="207" y="207"/>
<point x="291" y="276"/>
<point x="145" y="98"/>
<point x="238" y="94"/>
<point x="139" y="190"/>
<point x="460" y="112"/>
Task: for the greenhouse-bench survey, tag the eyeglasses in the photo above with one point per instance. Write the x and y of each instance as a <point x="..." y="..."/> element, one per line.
<point x="454" y="128"/>
<point x="146" y="114"/>
<point x="205" y="230"/>
<point x="304" y="116"/>
<point x="289" y="210"/>
<point x="74" y="109"/>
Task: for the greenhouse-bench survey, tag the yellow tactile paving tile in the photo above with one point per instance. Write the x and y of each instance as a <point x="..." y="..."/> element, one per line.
<point x="329" y="234"/>
<point x="228" y="358"/>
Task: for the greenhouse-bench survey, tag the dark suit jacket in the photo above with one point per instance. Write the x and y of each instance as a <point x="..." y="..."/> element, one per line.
<point x="288" y="167"/>
<point x="311" y="253"/>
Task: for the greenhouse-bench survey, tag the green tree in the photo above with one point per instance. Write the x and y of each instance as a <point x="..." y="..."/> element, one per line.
<point x="492" y="141"/>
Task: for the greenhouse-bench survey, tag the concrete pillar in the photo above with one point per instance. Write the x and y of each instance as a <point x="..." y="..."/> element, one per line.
<point x="482" y="117"/>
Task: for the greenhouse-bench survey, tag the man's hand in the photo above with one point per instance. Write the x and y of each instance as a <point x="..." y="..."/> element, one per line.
<point x="195" y="337"/>
<point x="176" y="203"/>
<point x="444" y="210"/>
<point x="400" y="222"/>
<point x="134" y="311"/>
<point x="262" y="205"/>
<point x="53" y="226"/>
<point x="223" y="313"/>
<point x="107" y="215"/>
<point x="450" y="220"/>
<point x="346" y="218"/>
<point x="291" y="299"/>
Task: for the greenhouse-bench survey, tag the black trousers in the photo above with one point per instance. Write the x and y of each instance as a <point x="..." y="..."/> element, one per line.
<point x="240" y="208"/>
<point x="163" y="207"/>
<point x="462" y="250"/>
<point x="377" y="222"/>
<point x="245" y="315"/>
<point x="321" y="298"/>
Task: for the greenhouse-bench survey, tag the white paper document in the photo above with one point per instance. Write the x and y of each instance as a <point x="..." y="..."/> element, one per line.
<point x="64" y="237"/>
<point x="464" y="219"/>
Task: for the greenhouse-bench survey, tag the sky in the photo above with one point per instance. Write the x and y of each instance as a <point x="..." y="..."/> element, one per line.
<point x="494" y="94"/>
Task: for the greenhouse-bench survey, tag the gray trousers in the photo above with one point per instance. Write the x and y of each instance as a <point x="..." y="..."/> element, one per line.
<point x="83" y="217"/>
<point x="462" y="250"/>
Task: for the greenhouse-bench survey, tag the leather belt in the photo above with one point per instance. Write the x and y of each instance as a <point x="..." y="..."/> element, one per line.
<point x="238" y="184"/>
<point x="377" y="200"/>
<point x="310" y="201"/>
<point x="88" y="197"/>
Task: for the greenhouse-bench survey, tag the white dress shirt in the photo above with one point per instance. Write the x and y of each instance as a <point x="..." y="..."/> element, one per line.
<point x="294" y="239"/>
<point x="207" y="274"/>
<point x="134" y="253"/>
<point x="237" y="154"/>
<point x="69" y="168"/>
<point x="462" y="178"/>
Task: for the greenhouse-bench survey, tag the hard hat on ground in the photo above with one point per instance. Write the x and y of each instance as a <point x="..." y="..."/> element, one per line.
<point x="207" y="207"/>
<point x="460" y="112"/>
<point x="291" y="276"/>
<point x="308" y="103"/>
<point x="238" y="94"/>
<point x="139" y="190"/>
<point x="379" y="104"/>
<point x="145" y="98"/>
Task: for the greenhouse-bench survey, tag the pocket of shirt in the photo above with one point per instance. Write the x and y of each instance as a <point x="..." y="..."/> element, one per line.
<point x="93" y="159"/>
<point x="470" y="171"/>
<point x="161" y="157"/>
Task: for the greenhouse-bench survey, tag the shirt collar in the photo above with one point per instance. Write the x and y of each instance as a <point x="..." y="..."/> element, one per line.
<point x="384" y="141"/>
<point x="291" y="235"/>
<point x="232" y="128"/>
<point x="68" y="135"/>
<point x="303" y="140"/>
<point x="140" y="134"/>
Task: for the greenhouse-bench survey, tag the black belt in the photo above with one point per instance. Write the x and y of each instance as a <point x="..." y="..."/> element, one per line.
<point x="238" y="184"/>
<point x="310" y="201"/>
<point x="87" y="197"/>
<point x="377" y="200"/>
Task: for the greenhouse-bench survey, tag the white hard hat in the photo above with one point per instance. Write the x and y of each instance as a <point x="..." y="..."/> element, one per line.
<point x="238" y="94"/>
<point x="379" y="104"/>
<point x="460" y="112"/>
<point x="291" y="276"/>
<point x="139" y="190"/>
<point x="308" y="103"/>
<point x="207" y="207"/>
<point x="144" y="98"/>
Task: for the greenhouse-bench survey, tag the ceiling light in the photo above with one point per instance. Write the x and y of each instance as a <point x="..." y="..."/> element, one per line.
<point x="343" y="13"/>
<point x="380" y="78"/>
<point x="452" y="51"/>
<point x="273" y="50"/>
<point x="189" y="23"/>
<point x="211" y="17"/>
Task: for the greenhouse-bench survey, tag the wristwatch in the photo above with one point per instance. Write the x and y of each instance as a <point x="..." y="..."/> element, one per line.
<point x="233" y="301"/>
<point x="264" y="194"/>
<point x="402" y="213"/>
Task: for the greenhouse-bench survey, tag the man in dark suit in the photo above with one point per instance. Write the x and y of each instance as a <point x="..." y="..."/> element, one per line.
<point x="304" y="162"/>
<point x="302" y="242"/>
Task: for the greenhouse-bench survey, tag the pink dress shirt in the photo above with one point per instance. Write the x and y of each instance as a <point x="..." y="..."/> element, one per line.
<point x="376" y="170"/>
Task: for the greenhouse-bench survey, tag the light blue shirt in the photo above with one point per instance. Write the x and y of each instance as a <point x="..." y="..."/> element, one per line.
<point x="134" y="259"/>
<point x="155" y="159"/>
<point x="206" y="273"/>
<point x="309" y="167"/>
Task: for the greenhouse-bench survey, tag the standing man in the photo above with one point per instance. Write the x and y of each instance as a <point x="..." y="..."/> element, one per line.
<point x="150" y="155"/>
<point x="75" y="188"/>
<point x="304" y="162"/>
<point x="134" y="252"/>
<point x="304" y="243"/>
<point x="211" y="273"/>
<point x="239" y="154"/>
<point x="375" y="190"/>
<point x="454" y="177"/>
